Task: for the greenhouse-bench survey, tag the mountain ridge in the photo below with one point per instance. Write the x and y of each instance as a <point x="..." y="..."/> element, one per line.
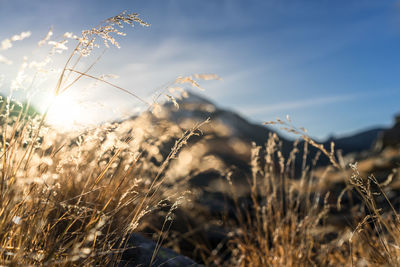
<point x="200" y="108"/>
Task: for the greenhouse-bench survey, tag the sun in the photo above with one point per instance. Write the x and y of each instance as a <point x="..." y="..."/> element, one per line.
<point x="66" y="113"/>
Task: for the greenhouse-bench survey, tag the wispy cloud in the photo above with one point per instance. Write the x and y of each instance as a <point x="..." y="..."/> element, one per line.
<point x="297" y="104"/>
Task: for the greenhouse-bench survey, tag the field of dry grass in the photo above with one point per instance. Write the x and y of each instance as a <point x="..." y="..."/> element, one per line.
<point x="76" y="199"/>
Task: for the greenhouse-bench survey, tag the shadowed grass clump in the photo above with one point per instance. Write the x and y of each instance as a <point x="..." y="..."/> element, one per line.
<point x="284" y="223"/>
<point x="287" y="222"/>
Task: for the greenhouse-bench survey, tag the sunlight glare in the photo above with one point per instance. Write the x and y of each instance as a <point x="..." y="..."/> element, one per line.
<point x="66" y="113"/>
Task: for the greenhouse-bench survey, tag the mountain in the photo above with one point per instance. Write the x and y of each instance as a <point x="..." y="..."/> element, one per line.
<point x="195" y="108"/>
<point x="357" y="142"/>
<point x="389" y="137"/>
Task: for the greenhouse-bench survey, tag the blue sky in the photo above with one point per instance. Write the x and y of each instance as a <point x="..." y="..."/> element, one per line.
<point x="333" y="66"/>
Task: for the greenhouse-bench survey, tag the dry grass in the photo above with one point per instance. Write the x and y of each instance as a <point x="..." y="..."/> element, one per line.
<point x="285" y="225"/>
<point x="73" y="199"/>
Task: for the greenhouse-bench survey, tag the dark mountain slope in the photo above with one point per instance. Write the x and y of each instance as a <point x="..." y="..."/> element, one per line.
<point x="197" y="109"/>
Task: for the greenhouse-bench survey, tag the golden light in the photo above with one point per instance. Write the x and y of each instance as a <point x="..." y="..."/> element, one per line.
<point x="66" y="113"/>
